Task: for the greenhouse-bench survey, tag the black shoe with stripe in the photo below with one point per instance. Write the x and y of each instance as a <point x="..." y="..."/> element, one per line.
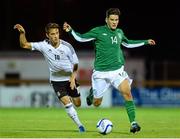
<point x="89" y="98"/>
<point x="135" y="127"/>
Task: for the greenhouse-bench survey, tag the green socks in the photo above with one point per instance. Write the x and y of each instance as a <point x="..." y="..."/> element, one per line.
<point x="130" y="108"/>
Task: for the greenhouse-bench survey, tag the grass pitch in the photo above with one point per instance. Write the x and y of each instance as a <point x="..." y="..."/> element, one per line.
<point x="54" y="123"/>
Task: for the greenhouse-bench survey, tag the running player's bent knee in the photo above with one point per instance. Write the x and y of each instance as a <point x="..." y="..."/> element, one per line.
<point x="127" y="96"/>
<point x="77" y="104"/>
<point x="96" y="103"/>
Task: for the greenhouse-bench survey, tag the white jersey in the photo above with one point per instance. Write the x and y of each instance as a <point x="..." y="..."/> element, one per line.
<point x="60" y="60"/>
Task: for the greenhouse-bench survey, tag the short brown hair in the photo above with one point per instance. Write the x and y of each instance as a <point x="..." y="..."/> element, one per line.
<point x="113" y="11"/>
<point x="51" y="25"/>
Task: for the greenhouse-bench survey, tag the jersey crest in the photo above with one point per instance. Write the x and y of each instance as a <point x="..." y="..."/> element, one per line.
<point x="120" y="36"/>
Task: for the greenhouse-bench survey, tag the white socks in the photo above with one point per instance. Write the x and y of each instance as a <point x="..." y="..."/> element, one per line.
<point x="72" y="114"/>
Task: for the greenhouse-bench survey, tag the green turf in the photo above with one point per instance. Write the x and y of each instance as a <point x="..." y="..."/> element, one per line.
<point x="54" y="123"/>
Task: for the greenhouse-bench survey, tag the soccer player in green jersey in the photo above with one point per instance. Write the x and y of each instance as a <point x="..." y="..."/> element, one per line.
<point x="109" y="61"/>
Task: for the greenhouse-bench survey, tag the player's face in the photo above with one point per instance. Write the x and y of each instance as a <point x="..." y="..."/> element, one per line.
<point x="112" y="21"/>
<point x="53" y="36"/>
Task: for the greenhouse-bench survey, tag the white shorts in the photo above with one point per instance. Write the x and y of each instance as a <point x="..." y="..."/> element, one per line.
<point x="101" y="81"/>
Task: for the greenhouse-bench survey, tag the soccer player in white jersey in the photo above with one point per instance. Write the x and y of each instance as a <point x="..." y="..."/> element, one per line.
<point x="63" y="65"/>
<point x="109" y="61"/>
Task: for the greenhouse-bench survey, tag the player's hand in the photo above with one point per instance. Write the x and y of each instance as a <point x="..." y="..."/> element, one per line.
<point x="151" y="42"/>
<point x="72" y="81"/>
<point x="72" y="84"/>
<point x="66" y="27"/>
<point x="19" y="28"/>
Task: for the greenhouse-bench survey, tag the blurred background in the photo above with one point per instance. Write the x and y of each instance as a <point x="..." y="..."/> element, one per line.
<point x="155" y="70"/>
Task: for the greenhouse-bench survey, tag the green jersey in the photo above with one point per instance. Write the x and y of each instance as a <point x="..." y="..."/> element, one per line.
<point x="107" y="42"/>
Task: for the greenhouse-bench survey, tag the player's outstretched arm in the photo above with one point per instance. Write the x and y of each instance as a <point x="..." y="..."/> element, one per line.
<point x="22" y="37"/>
<point x="151" y="42"/>
<point x="73" y="77"/>
<point x="66" y="27"/>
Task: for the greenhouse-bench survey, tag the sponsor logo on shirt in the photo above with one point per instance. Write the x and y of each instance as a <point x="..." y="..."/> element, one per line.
<point x="104" y="34"/>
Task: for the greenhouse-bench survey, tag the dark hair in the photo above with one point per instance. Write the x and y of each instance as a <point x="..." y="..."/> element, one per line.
<point x="51" y="25"/>
<point x="113" y="11"/>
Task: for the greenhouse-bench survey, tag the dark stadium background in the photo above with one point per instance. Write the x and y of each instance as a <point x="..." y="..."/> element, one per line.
<point x="140" y="19"/>
<point x="156" y="95"/>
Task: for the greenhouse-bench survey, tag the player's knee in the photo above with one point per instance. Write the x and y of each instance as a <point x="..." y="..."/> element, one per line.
<point x="127" y="95"/>
<point x="97" y="103"/>
<point x="77" y="103"/>
<point x="126" y="92"/>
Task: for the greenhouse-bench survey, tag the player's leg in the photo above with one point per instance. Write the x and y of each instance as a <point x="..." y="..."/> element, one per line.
<point x="76" y="101"/>
<point x="95" y="100"/>
<point x="75" y="94"/>
<point x="72" y="113"/>
<point x="122" y="83"/>
<point x="61" y="91"/>
<point x="89" y="98"/>
<point x="99" y="88"/>
<point x="125" y="90"/>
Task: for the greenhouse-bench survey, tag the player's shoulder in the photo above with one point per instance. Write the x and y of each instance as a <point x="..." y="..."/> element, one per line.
<point x="40" y="43"/>
<point x="44" y="42"/>
<point x="66" y="45"/>
<point x="63" y="42"/>
<point x="100" y="27"/>
<point x="119" y="30"/>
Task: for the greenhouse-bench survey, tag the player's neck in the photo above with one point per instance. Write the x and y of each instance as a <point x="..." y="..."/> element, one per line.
<point x="110" y="29"/>
<point x="55" y="45"/>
